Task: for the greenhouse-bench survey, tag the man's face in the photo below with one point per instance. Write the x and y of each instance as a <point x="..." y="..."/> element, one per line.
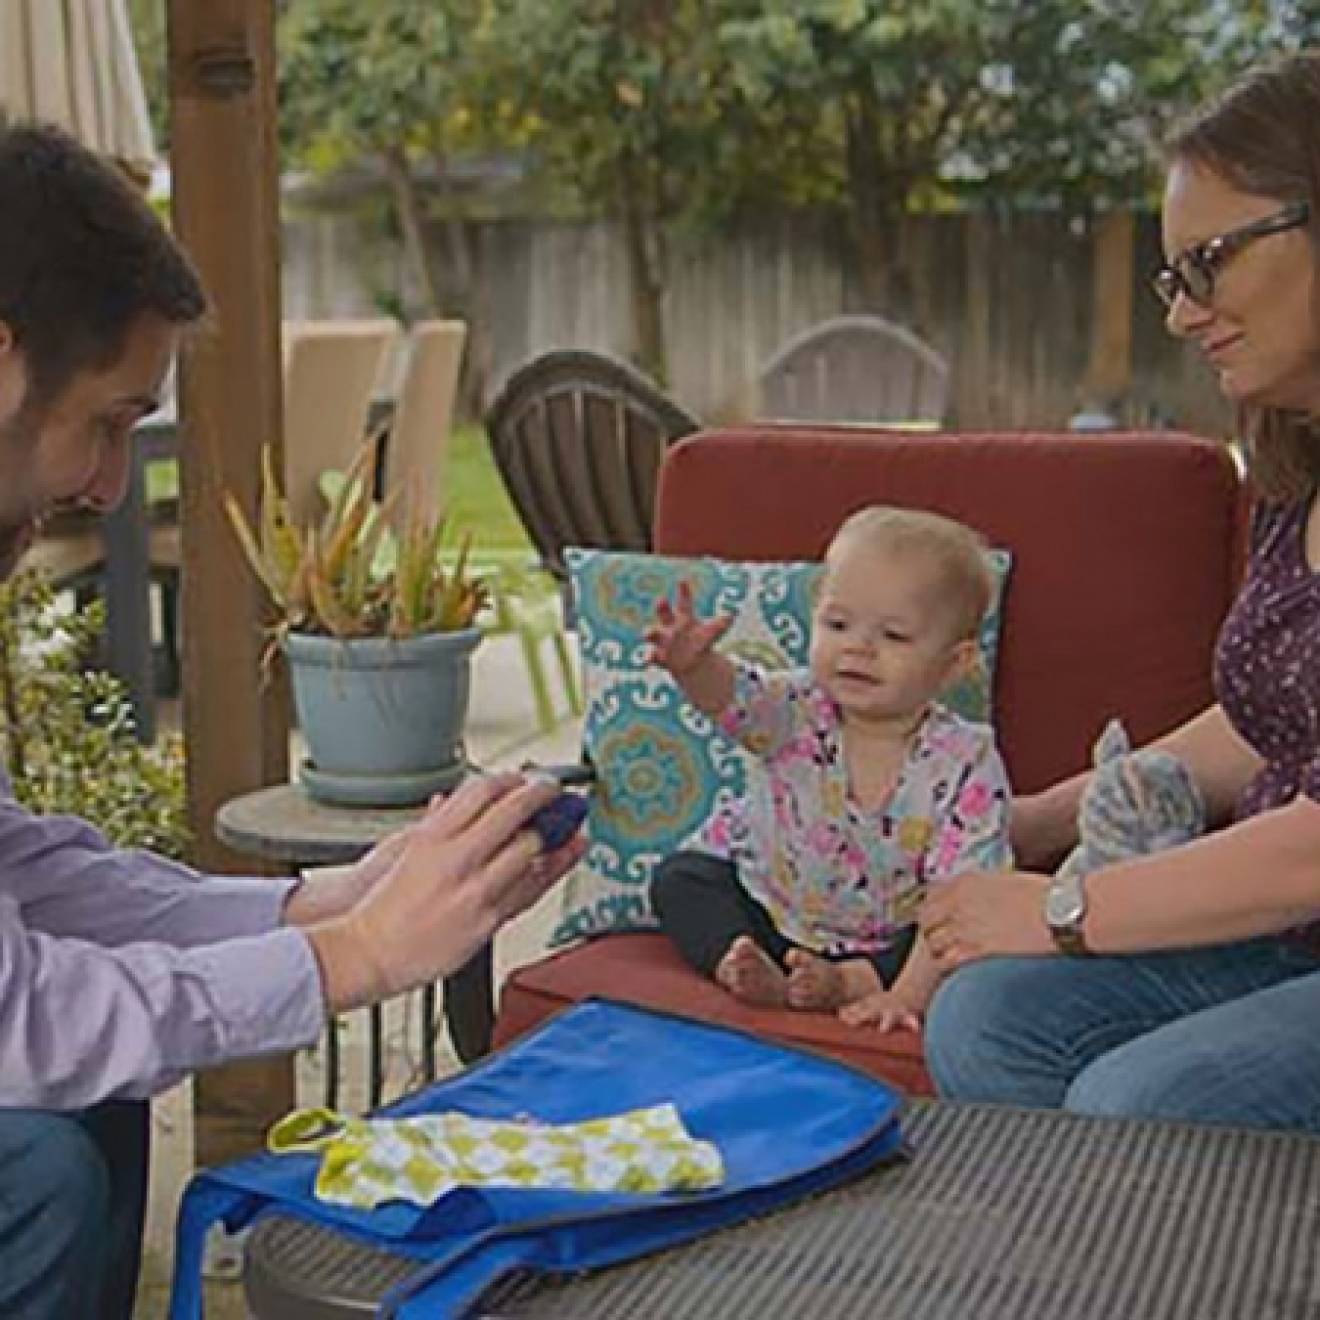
<point x="72" y="451"/>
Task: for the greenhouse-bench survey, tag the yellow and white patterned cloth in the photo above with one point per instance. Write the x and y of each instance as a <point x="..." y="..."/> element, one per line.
<point x="368" y="1161"/>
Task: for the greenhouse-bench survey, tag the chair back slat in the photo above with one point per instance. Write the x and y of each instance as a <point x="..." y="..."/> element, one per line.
<point x="330" y="370"/>
<point x="578" y="438"/>
<point x="423" y="416"/>
<point x="855" y="369"/>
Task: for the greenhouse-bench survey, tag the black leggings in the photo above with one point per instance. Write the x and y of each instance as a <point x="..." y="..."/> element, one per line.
<point x="703" y="908"/>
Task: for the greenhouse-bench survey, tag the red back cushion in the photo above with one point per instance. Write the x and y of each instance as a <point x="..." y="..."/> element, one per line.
<point x="1125" y="554"/>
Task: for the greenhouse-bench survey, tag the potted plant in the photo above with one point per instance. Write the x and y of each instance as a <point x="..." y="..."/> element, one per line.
<point x="378" y="634"/>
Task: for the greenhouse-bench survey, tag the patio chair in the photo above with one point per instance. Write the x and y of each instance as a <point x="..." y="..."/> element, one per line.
<point x="855" y="369"/>
<point x="419" y="429"/>
<point x="330" y="370"/>
<point x="578" y="438"/>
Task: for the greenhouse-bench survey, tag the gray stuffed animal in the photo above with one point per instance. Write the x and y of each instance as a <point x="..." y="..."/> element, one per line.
<point x="1136" y="803"/>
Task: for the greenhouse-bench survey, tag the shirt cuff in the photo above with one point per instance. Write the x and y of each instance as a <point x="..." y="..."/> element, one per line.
<point x="267" y="994"/>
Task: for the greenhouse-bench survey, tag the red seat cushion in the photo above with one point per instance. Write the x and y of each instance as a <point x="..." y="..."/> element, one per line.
<point x="645" y="969"/>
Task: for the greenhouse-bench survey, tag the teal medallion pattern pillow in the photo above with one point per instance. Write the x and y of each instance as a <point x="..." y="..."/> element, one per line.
<point x="661" y="768"/>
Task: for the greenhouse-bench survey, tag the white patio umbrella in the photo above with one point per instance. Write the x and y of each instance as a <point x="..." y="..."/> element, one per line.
<point x="72" y="63"/>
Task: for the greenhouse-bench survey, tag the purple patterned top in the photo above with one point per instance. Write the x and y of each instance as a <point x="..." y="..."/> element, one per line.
<point x="1267" y="661"/>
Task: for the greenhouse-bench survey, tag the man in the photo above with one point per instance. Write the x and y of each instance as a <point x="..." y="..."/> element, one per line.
<point x="121" y="972"/>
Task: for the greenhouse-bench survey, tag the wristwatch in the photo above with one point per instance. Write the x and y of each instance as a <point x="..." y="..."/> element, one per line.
<point x="1065" y="911"/>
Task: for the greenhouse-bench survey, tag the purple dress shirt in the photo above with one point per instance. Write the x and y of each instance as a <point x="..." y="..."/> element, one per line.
<point x="121" y="972"/>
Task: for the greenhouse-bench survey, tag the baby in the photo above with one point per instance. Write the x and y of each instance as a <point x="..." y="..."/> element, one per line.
<point x="804" y="893"/>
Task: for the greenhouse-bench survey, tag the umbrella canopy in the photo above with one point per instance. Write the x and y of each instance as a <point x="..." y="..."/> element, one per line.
<point x="72" y="63"/>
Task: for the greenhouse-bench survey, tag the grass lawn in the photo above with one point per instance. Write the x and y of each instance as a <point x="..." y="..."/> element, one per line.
<point x="476" y="500"/>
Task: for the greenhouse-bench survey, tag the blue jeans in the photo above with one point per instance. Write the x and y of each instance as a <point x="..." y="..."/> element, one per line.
<point x="1222" y="1035"/>
<point x="73" y="1191"/>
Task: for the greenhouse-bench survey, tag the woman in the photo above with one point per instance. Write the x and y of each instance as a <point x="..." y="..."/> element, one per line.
<point x="1201" y="998"/>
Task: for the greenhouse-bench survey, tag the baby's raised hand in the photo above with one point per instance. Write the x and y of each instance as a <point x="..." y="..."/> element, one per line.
<point x="679" y="640"/>
<point x="883" y="1010"/>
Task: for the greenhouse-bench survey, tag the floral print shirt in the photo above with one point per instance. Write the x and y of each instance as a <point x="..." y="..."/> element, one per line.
<point x="1267" y="669"/>
<point x="834" y="876"/>
<point x="1267" y="661"/>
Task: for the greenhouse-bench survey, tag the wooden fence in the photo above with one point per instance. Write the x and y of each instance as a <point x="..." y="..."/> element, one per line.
<point x="1023" y="305"/>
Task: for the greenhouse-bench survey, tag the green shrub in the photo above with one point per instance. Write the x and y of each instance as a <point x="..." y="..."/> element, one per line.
<point x="67" y="732"/>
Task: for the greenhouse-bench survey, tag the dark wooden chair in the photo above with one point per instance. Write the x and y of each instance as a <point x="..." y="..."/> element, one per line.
<point x="578" y="438"/>
<point x="855" y="369"/>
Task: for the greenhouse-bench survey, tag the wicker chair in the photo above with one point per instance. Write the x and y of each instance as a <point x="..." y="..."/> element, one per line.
<point x="855" y="369"/>
<point x="578" y="438"/>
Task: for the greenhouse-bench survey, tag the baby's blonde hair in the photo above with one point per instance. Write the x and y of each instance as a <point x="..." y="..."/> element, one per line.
<point x="954" y="551"/>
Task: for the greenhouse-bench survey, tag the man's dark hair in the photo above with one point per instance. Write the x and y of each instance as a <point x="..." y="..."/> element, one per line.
<point x="82" y="258"/>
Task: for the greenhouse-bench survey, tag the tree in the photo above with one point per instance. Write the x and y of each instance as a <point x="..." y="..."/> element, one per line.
<point x="892" y="85"/>
<point x="402" y="84"/>
<point x="926" y="101"/>
<point x="1081" y="92"/>
<point x="619" y="96"/>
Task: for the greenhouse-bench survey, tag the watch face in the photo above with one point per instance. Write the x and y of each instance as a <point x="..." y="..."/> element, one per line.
<point x="1065" y="903"/>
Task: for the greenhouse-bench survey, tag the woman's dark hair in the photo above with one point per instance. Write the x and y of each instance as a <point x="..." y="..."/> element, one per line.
<point x="82" y="258"/>
<point x="1262" y="136"/>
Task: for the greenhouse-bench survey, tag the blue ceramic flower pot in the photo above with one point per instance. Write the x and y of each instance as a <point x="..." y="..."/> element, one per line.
<point x="383" y="718"/>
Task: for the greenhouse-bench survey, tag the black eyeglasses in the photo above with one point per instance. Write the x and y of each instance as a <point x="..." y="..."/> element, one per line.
<point x="1192" y="273"/>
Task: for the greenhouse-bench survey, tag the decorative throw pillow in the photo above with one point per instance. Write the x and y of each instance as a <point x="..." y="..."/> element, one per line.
<point x="662" y="769"/>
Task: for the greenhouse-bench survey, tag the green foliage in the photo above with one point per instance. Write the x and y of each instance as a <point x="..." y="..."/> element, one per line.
<point x="147" y="20"/>
<point x="617" y="93"/>
<point x="391" y="75"/>
<point x="1079" y="94"/>
<point x="67" y="732"/>
<point x="623" y="103"/>
<point x="924" y="101"/>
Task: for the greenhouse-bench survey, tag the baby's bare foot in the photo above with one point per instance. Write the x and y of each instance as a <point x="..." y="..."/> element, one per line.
<point x="813" y="981"/>
<point x="748" y="973"/>
<point x="816" y="982"/>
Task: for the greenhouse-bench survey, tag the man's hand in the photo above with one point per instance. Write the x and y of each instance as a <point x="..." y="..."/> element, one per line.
<point x="331" y="891"/>
<point x="679" y="640"/>
<point x="985" y="915"/>
<point x="449" y="882"/>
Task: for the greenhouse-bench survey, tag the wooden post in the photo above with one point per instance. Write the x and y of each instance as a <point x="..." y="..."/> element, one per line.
<point x="226" y="211"/>
<point x="1109" y="371"/>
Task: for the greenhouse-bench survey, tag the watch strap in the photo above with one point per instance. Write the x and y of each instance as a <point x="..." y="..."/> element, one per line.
<point x="1071" y="940"/>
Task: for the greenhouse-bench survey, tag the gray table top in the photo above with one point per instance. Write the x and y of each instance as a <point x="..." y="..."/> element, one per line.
<point x="1001" y="1214"/>
<point x="284" y="824"/>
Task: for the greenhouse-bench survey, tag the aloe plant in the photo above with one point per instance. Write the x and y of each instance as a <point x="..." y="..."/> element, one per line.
<point x="368" y="569"/>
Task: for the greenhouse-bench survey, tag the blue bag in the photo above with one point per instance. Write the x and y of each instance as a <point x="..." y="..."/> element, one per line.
<point x="787" y="1123"/>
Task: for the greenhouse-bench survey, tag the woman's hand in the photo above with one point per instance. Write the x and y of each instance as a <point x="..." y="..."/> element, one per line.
<point x="985" y="915"/>
<point x="459" y="874"/>
<point x="679" y="640"/>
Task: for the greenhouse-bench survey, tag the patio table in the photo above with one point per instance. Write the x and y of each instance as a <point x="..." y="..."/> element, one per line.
<point x="1001" y="1214"/>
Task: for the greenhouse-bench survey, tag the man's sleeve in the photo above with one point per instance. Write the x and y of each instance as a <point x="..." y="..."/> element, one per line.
<point x="80" y="1022"/>
<point x="70" y="882"/>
